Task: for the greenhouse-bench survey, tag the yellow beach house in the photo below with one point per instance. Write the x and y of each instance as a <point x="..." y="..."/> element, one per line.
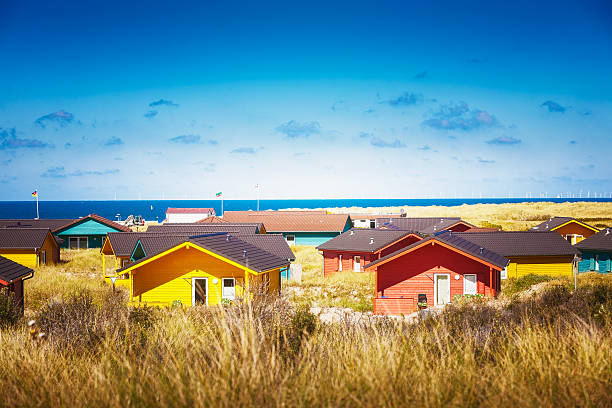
<point x="569" y="228"/>
<point x="205" y="269"/>
<point x="529" y="252"/>
<point x="30" y="247"/>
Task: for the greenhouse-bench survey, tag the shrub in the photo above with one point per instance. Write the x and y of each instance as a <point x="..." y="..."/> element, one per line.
<point x="10" y="312"/>
<point x="301" y="326"/>
<point x="512" y="286"/>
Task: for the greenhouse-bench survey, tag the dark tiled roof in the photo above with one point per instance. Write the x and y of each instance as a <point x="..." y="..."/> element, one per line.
<point x="227" y="245"/>
<point x="364" y="240"/>
<point x="51" y="224"/>
<point x="10" y="271"/>
<point x="97" y="218"/>
<point x="426" y="225"/>
<point x="123" y="243"/>
<point x="457" y="242"/>
<point x="202" y="228"/>
<point x="273" y="243"/>
<point x="521" y="243"/>
<point x="23" y="238"/>
<point x="602" y="241"/>
<point x="291" y="221"/>
<point x="555" y="222"/>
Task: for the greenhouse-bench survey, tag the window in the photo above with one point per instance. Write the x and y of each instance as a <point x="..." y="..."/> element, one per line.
<point x="372" y="223"/>
<point x="199" y="290"/>
<point x="340" y="262"/>
<point x="43" y="257"/>
<point x="77" y="243"/>
<point x="470" y="285"/>
<point x="124" y="262"/>
<point x="503" y="274"/>
<point x="597" y="262"/>
<point x="228" y="291"/>
<point x="290" y="239"/>
<point x="357" y="264"/>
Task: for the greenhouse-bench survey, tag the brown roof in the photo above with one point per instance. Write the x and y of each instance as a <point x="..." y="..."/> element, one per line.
<point x="202" y="228"/>
<point x="521" y="243"/>
<point x="212" y="219"/>
<point x="555" y="222"/>
<point x="424" y="225"/>
<point x="366" y="216"/>
<point x="457" y="242"/>
<point x="51" y="224"/>
<point x="11" y="271"/>
<point x="97" y="218"/>
<point x="173" y="210"/>
<point x="273" y="243"/>
<point x="23" y="238"/>
<point x="229" y="246"/>
<point x="602" y="241"/>
<point x="364" y="240"/>
<point x="291" y="221"/>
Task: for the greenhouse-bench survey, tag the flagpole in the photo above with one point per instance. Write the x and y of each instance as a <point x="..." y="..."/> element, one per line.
<point x="257" y="187"/>
<point x="37" y="215"/>
<point x="221" y="205"/>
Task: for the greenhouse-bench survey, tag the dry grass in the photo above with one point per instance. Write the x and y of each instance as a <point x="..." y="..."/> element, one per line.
<point x="518" y="216"/>
<point x="553" y="349"/>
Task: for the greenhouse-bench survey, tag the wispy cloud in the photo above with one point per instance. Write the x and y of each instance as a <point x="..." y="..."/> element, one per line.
<point x="554" y="107"/>
<point x="392" y="144"/>
<point x="425" y="147"/>
<point x="163" y="102"/>
<point x="504" y="140"/>
<point x="405" y="99"/>
<point x="338" y="105"/>
<point x="572" y="142"/>
<point x="151" y="114"/>
<point x="421" y="75"/>
<point x="60" y="118"/>
<point x="60" y="172"/>
<point x="186" y="139"/>
<point x="9" y="140"/>
<point x="369" y="110"/>
<point x="485" y="161"/>
<point x="113" y="141"/>
<point x="294" y="129"/>
<point x="459" y="116"/>
<point x="244" y="150"/>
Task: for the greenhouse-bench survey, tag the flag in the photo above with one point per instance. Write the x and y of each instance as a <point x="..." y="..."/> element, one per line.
<point x="218" y="194"/>
<point x="256" y="185"/>
<point x="35" y="193"/>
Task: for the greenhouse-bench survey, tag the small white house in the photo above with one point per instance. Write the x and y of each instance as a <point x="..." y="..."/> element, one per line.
<point x="182" y="215"/>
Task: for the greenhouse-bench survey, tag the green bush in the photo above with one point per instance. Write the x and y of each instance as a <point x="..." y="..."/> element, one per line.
<point x="515" y="285"/>
<point x="302" y="324"/>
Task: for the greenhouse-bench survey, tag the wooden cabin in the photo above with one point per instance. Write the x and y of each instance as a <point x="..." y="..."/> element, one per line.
<point x="539" y="253"/>
<point x="351" y="250"/>
<point x="209" y="227"/>
<point x="182" y="215"/>
<point x="433" y="271"/>
<point x="88" y="232"/>
<point x="569" y="228"/>
<point x="12" y="276"/>
<point x="30" y="247"/>
<point x="298" y="227"/>
<point x="424" y="225"/>
<point x="209" y="269"/>
<point x="596" y="252"/>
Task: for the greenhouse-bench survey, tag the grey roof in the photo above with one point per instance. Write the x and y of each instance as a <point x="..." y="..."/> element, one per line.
<point x="123" y="243"/>
<point x="364" y="240"/>
<point x="273" y="243"/>
<point x="23" y="238"/>
<point x="521" y="243"/>
<point x="554" y="222"/>
<point x="230" y="246"/>
<point x="424" y="225"/>
<point x="202" y="228"/>
<point x="602" y="241"/>
<point x="51" y="224"/>
<point x="11" y="271"/>
<point x="456" y="241"/>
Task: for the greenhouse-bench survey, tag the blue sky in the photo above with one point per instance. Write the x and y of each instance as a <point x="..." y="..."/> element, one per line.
<point x="354" y="99"/>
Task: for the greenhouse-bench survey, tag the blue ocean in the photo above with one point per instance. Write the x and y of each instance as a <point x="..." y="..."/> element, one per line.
<point x="152" y="210"/>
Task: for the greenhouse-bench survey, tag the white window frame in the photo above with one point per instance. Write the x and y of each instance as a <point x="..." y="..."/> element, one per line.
<point x="355" y="269"/>
<point x="43" y="257"/>
<point x="503" y="274"/>
<point x="78" y="239"/>
<point x="596" y="262"/>
<point x="290" y="241"/>
<point x="124" y="262"/>
<point x="340" y="263"/>
<point x="475" y="283"/>
<point x="223" y="286"/>
<point x="193" y="286"/>
<point x="436" y="287"/>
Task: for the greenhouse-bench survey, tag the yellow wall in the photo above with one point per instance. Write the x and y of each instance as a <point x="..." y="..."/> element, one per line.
<point x="52" y="251"/>
<point x="24" y="257"/>
<point x="553" y="266"/>
<point x="168" y="278"/>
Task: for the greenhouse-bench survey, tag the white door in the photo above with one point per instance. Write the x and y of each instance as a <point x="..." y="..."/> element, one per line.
<point x="441" y="289"/>
<point x="199" y="291"/>
<point x="357" y="264"/>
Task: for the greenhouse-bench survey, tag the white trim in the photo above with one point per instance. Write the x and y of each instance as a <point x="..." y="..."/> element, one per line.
<point x="436" y="287"/>
<point x="43" y="257"/>
<point x="223" y="286"/>
<point x="597" y="262"/>
<point x="475" y="283"/>
<point x="193" y="289"/>
<point x="503" y="274"/>
<point x="357" y="265"/>
<point x="340" y="263"/>
<point x="78" y="238"/>
<point x="290" y="241"/>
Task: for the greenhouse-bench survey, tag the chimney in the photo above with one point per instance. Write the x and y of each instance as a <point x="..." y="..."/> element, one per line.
<point x="352" y="232"/>
<point x="244" y="253"/>
<point x="371" y="240"/>
<point x="227" y="238"/>
<point x="481" y="250"/>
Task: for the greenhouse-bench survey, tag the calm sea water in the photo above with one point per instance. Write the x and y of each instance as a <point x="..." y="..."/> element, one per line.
<point x="155" y="209"/>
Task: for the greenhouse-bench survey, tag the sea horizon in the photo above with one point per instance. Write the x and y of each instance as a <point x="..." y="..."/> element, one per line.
<point x="154" y="210"/>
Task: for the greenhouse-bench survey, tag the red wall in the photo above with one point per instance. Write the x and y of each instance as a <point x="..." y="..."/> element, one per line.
<point x="403" y="243"/>
<point x="413" y="273"/>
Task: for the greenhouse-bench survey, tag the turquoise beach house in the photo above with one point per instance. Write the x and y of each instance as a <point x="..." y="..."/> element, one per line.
<point x="87" y="232"/>
<point x="596" y="252"/>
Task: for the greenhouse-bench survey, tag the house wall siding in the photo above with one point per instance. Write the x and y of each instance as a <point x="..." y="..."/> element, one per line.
<point x="588" y="262"/>
<point x="331" y="260"/>
<point x="553" y="266"/>
<point x="574" y="228"/>
<point x="25" y="257"/>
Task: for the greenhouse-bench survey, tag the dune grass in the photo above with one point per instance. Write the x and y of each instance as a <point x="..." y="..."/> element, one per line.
<point x="550" y="349"/>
